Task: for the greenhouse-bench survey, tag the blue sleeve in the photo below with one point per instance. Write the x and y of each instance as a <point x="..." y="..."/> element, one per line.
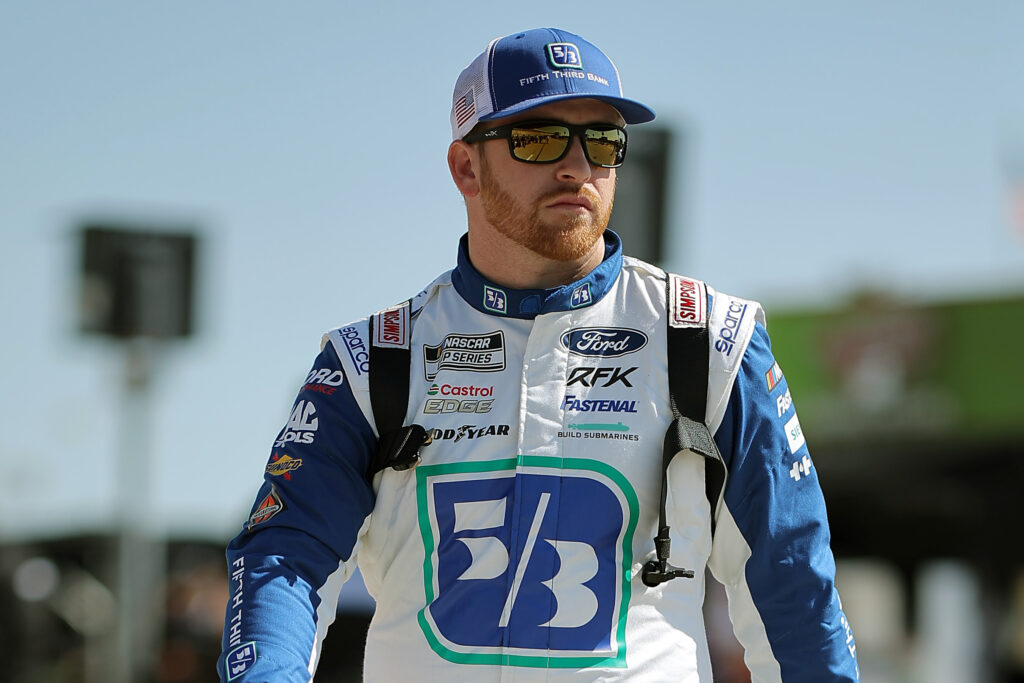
<point x="304" y="523"/>
<point x="774" y="496"/>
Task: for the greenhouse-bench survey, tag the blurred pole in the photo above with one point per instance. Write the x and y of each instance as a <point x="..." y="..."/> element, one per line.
<point x="141" y="574"/>
<point x="950" y="625"/>
<point x="641" y="194"/>
<point x="137" y="288"/>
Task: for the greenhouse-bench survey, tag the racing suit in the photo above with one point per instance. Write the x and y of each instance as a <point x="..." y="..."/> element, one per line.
<point x="513" y="551"/>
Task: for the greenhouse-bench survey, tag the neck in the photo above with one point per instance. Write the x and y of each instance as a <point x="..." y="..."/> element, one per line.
<point x="512" y="265"/>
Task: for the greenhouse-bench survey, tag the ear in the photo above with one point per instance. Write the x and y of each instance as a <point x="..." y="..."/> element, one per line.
<point x="462" y="164"/>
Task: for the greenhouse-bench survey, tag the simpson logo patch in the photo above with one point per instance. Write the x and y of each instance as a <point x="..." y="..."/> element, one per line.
<point x="689" y="302"/>
<point x="391" y="327"/>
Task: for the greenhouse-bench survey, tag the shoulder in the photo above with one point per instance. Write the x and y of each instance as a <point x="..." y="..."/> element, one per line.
<point x="351" y="341"/>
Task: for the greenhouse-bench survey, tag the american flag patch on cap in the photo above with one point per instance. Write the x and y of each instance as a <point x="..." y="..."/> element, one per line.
<point x="465" y="107"/>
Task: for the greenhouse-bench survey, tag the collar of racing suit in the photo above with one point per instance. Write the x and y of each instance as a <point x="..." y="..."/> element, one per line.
<point x="488" y="297"/>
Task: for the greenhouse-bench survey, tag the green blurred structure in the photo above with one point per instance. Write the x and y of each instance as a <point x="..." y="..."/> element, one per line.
<point x="914" y="415"/>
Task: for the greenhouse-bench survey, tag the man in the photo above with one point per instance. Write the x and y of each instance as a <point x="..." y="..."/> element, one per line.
<point x="519" y="547"/>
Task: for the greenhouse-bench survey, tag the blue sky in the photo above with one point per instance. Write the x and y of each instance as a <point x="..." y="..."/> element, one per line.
<point x="829" y="147"/>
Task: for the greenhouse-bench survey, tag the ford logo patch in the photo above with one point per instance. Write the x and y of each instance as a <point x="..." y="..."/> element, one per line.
<point x="603" y="341"/>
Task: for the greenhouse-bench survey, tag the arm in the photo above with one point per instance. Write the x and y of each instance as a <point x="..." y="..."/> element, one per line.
<point x="771" y="548"/>
<point x="288" y="563"/>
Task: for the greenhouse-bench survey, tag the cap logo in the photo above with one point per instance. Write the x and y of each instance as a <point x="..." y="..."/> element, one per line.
<point x="564" y="56"/>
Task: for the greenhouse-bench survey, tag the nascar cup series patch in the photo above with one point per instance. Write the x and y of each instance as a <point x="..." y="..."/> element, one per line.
<point x="541" y="553"/>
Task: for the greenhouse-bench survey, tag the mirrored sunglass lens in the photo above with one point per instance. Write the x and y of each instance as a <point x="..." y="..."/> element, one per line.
<point x="606" y="147"/>
<point x="539" y="143"/>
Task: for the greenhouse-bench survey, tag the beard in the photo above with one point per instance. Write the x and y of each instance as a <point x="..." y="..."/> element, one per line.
<point x="568" y="238"/>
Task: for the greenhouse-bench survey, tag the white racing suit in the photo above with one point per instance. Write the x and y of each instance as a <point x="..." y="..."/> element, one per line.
<point x="513" y="551"/>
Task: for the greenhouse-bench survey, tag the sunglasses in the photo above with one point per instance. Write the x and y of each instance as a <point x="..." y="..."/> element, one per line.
<point x="544" y="142"/>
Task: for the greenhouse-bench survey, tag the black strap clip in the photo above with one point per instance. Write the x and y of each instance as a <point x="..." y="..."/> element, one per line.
<point x="659" y="571"/>
<point x="400" y="449"/>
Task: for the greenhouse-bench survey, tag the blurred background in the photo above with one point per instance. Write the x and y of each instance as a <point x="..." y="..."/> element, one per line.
<point x="191" y="193"/>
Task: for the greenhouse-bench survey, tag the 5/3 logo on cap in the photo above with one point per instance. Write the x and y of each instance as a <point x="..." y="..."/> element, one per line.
<point x="564" y="56"/>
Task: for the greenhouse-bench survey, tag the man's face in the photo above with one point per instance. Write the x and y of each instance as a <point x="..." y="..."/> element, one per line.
<point x="556" y="210"/>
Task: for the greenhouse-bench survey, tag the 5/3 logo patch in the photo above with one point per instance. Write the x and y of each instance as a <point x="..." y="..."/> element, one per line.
<point x="526" y="565"/>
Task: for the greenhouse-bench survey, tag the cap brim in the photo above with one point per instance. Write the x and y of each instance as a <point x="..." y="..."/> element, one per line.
<point x="631" y="110"/>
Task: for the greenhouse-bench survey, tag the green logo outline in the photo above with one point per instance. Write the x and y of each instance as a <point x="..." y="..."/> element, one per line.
<point x="615" y="660"/>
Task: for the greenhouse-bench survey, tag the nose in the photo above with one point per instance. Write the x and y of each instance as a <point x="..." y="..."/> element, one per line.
<point x="574" y="166"/>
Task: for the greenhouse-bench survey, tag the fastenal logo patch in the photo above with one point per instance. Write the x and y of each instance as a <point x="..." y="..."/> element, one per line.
<point x="465" y="352"/>
<point x="240" y="659"/>
<point x="603" y="341"/>
<point x="564" y="56"/>
<point x="549" y="587"/>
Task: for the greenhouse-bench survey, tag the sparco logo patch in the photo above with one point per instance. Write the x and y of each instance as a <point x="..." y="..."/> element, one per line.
<point x="356" y="350"/>
<point x="689" y="302"/>
<point x="603" y="341"/>
<point x="391" y="327"/>
<point x="727" y="336"/>
<point x="468" y="352"/>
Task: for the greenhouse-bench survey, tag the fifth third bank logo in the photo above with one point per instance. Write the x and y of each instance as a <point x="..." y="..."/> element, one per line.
<point x="525" y="563"/>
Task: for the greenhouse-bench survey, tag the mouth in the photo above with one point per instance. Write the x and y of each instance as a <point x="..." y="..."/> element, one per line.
<point x="572" y="202"/>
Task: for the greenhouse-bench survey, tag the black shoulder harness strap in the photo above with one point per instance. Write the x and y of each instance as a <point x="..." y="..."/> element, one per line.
<point x="688" y="357"/>
<point x="398" y="445"/>
<point x="688" y="361"/>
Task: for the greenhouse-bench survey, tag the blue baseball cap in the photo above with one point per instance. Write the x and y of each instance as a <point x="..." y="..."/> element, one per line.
<point x="524" y="70"/>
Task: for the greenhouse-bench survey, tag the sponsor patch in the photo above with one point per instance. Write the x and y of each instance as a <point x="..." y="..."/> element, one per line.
<point x="324" y="381"/>
<point x="266" y="508"/>
<point x="608" y="342"/>
<point x="727" y="336"/>
<point x="356" y="350"/>
<point x="440" y="406"/>
<point x="468" y="432"/>
<point x="465" y="352"/>
<point x="240" y="659"/>
<point x="773" y="376"/>
<point x="689" y="302"/>
<point x="391" y="327"/>
<point x="581" y="296"/>
<point x="495" y="300"/>
<point x="784" y="401"/>
<point x="592" y="377"/>
<point x="800" y="468"/>
<point x="794" y="434"/>
<point x="234" y="624"/>
<point x="460" y="390"/>
<point x="302" y="423"/>
<point x="564" y="56"/>
<point x="283" y="466"/>
<point x="574" y="404"/>
<point x="548" y="589"/>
